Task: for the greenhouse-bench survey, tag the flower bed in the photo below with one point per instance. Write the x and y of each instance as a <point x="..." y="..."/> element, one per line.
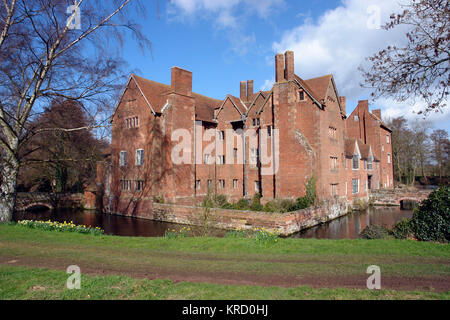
<point x="61" y="227"/>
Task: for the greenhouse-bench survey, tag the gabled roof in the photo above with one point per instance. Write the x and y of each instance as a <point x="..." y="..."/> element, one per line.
<point x="251" y="104"/>
<point x="363" y="150"/>
<point x="351" y="146"/>
<point x="236" y="102"/>
<point x="155" y="94"/>
<point x="319" y="86"/>
<point x="310" y="91"/>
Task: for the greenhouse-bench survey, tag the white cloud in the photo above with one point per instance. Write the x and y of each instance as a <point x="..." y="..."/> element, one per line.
<point x="393" y="109"/>
<point x="226" y="13"/>
<point x="268" y="84"/>
<point x="338" y="43"/>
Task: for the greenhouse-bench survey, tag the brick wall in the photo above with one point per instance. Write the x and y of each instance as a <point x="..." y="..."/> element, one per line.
<point x="285" y="224"/>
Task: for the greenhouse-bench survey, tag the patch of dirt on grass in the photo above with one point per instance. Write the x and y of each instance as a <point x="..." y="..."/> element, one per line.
<point x="38" y="288"/>
<point x="438" y="283"/>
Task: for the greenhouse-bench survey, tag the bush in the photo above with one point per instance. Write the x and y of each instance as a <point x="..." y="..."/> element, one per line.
<point x="220" y="200"/>
<point x="303" y="203"/>
<point x="402" y="230"/>
<point x="227" y="206"/>
<point x="311" y="191"/>
<point x="431" y="220"/>
<point x="242" y="204"/>
<point x="374" y="232"/>
<point x="256" y="203"/>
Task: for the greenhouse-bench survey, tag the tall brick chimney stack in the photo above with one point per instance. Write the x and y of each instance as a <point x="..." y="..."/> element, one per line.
<point x="364" y="106"/>
<point x="181" y="81"/>
<point x="279" y="67"/>
<point x="343" y="102"/>
<point x="289" y="65"/>
<point x="243" y="94"/>
<point x="377" y="112"/>
<point x="249" y="90"/>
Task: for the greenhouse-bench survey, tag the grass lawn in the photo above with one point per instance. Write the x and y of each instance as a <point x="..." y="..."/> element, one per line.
<point x="33" y="283"/>
<point x="33" y="264"/>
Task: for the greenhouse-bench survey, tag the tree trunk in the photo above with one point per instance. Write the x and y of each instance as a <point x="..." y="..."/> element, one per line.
<point x="8" y="189"/>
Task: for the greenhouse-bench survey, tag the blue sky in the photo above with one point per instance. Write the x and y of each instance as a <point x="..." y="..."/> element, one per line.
<point x="225" y="42"/>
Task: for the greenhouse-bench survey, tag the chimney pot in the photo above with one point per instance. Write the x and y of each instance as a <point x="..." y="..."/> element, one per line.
<point x="377" y="112"/>
<point x="181" y="81"/>
<point x="249" y="90"/>
<point x="279" y="68"/>
<point x="243" y="91"/>
<point x="289" y="65"/>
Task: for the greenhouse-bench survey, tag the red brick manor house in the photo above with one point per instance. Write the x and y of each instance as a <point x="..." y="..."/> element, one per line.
<point x="171" y="143"/>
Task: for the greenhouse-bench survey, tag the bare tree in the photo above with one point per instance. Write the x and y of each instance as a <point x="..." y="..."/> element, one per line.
<point x="440" y="143"/>
<point x="420" y="143"/>
<point x="47" y="52"/>
<point x="421" y="68"/>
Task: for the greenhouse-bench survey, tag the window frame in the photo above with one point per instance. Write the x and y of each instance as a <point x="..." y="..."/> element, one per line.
<point x="357" y="158"/>
<point x="139" y="157"/>
<point x="353" y="186"/>
<point x="123" y="158"/>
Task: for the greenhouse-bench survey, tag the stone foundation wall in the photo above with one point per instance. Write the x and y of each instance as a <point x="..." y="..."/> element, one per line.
<point x="393" y="197"/>
<point x="285" y="224"/>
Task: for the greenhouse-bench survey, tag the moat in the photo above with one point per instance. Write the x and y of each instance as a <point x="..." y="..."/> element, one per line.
<point x="346" y="227"/>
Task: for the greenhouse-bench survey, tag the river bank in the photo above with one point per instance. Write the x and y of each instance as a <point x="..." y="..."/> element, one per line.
<point x="346" y="227"/>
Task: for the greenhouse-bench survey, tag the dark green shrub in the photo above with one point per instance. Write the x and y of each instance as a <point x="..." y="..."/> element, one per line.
<point x="431" y="220"/>
<point x="402" y="230"/>
<point x="242" y="204"/>
<point x="287" y="205"/>
<point x="270" y="207"/>
<point x="303" y="203"/>
<point x="220" y="200"/>
<point x="311" y="191"/>
<point x="256" y="203"/>
<point x="374" y="232"/>
<point x="227" y="206"/>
